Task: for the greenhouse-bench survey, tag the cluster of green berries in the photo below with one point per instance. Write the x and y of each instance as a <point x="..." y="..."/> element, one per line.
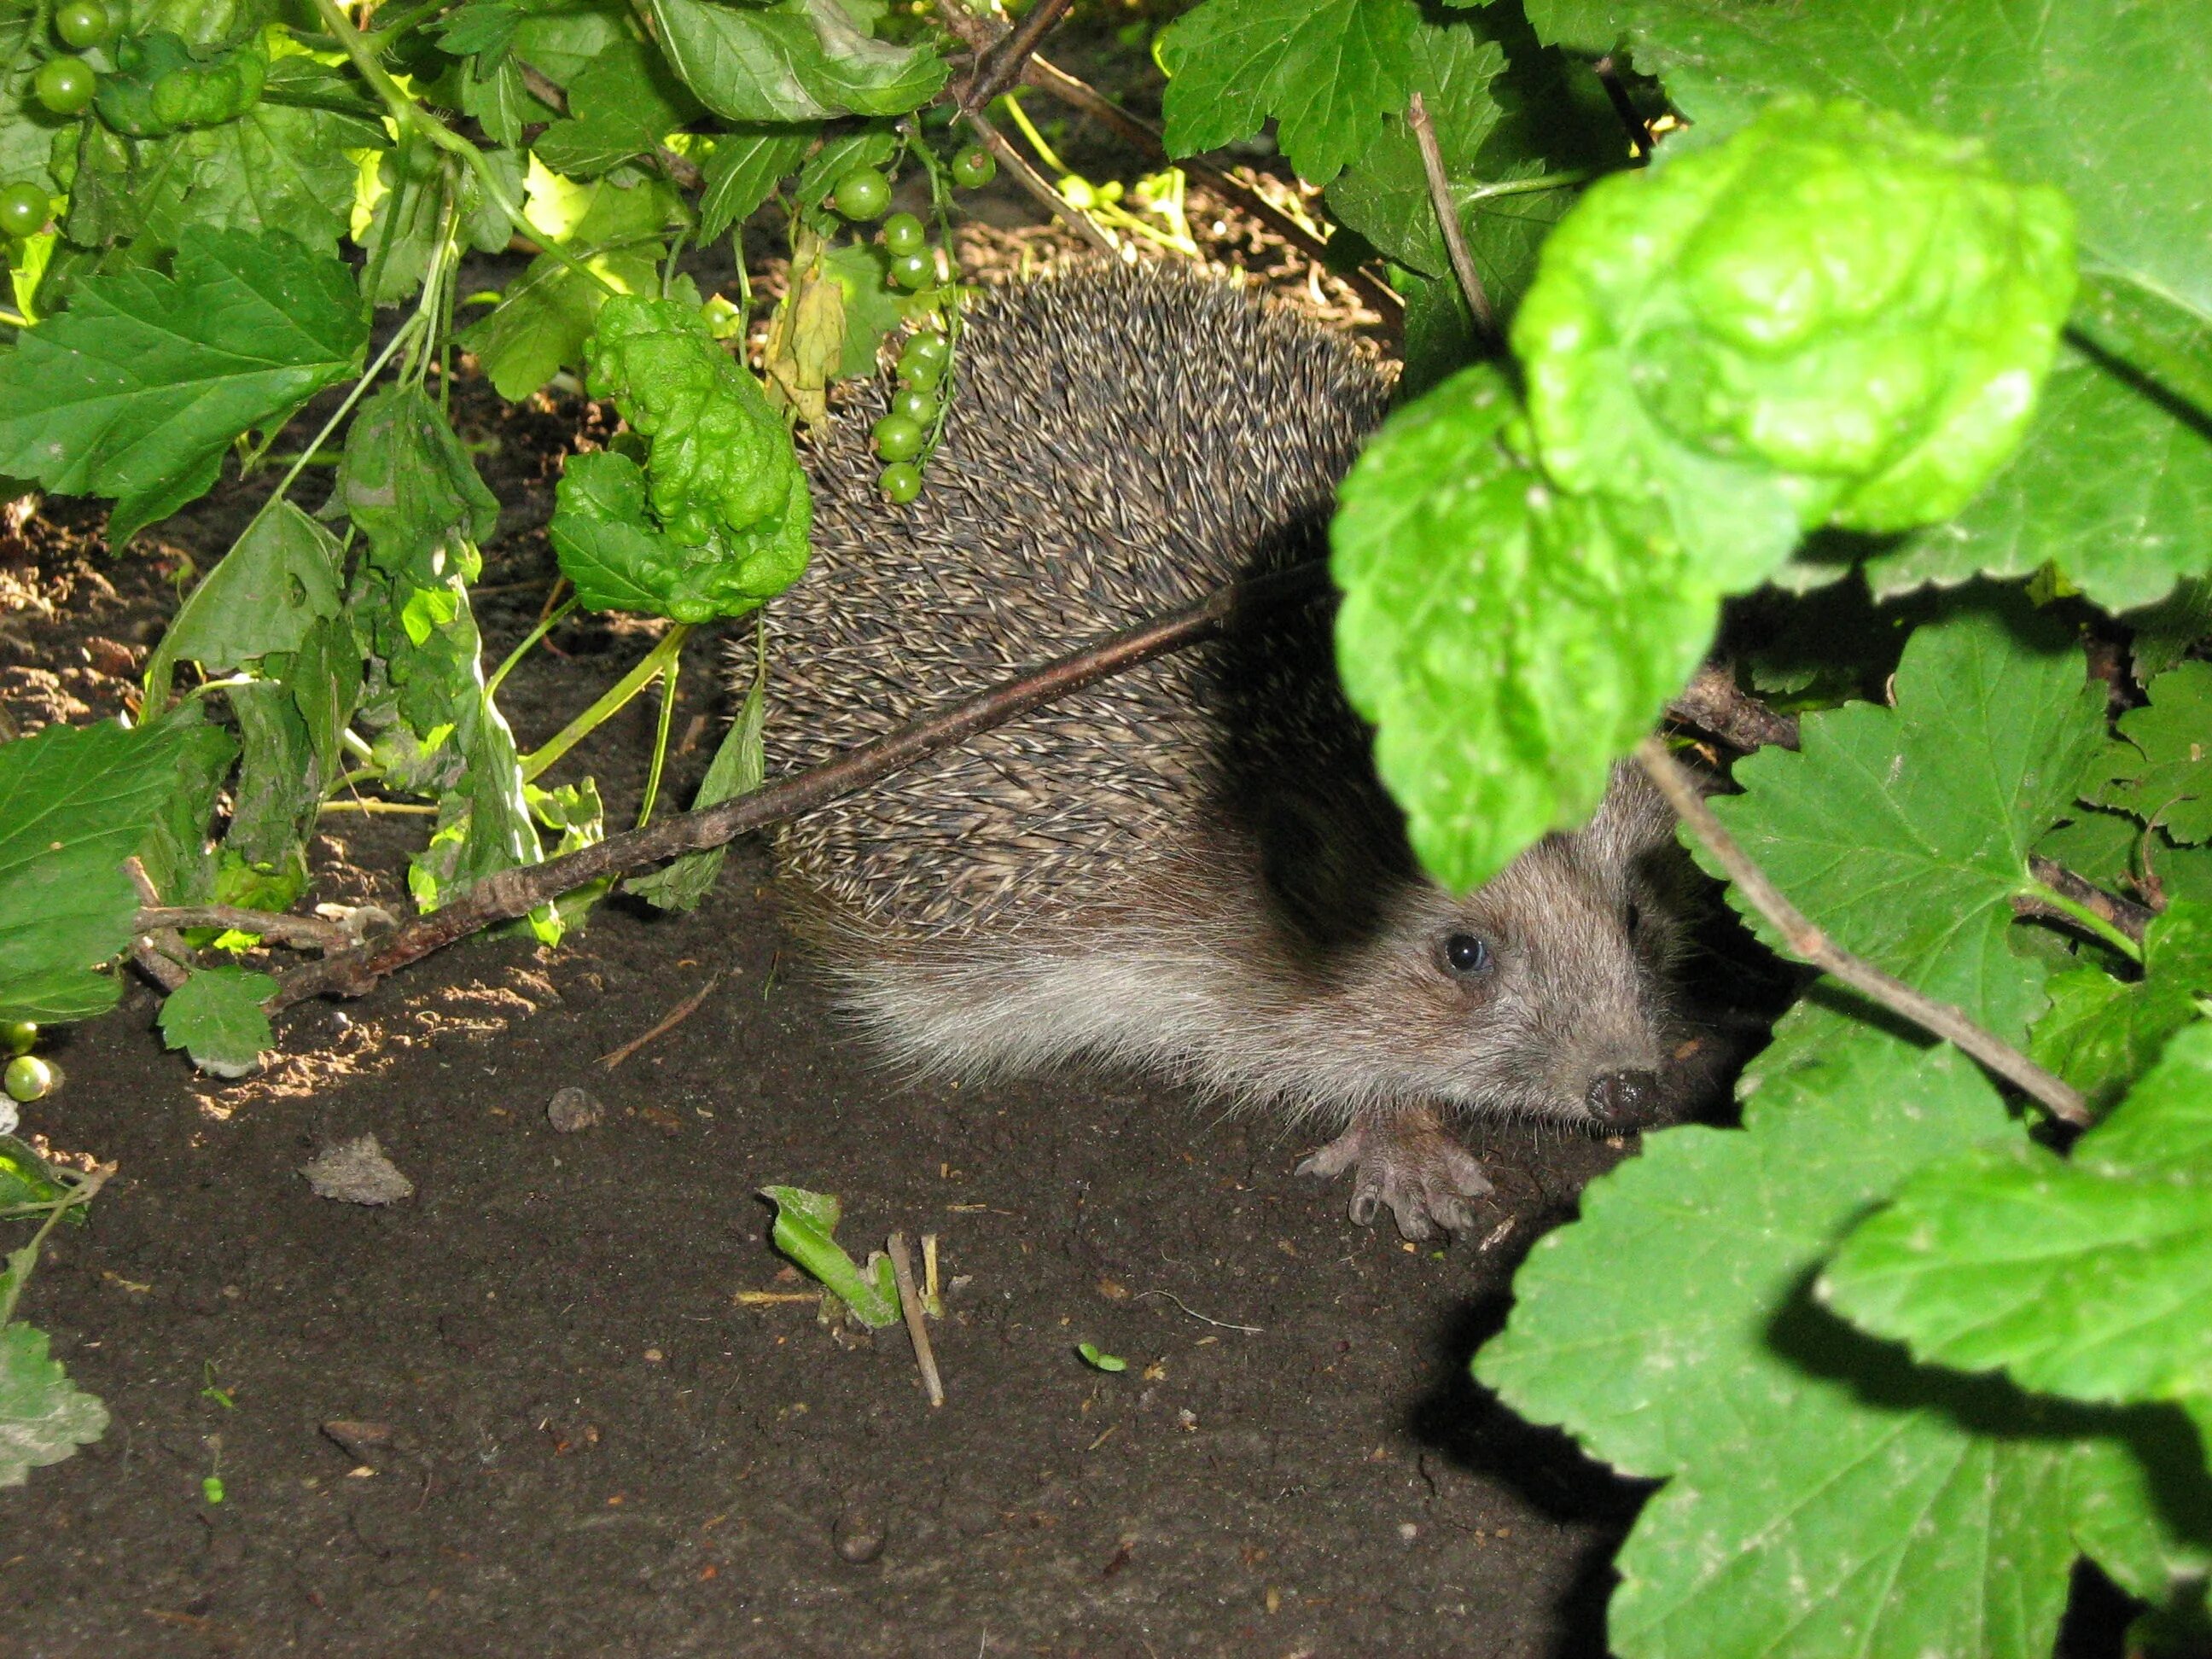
<point x="863" y="194"/>
<point x="64" y="84"/>
<point x="28" y="1077"/>
<point x="901" y="434"/>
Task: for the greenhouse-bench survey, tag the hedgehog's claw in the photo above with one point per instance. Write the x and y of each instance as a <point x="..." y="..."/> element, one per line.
<point x="1410" y="1162"/>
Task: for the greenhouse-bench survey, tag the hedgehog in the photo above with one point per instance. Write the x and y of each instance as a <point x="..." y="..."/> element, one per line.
<point x="1190" y="868"/>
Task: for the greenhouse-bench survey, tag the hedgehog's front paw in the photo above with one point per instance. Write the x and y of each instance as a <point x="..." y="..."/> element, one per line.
<point x="1410" y="1162"/>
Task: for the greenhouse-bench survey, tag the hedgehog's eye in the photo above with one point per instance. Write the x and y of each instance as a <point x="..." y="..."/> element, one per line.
<point x="1634" y="916"/>
<point x="1466" y="954"/>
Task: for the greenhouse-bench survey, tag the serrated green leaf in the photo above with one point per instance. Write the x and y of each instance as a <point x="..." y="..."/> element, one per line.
<point x="217" y="1016"/>
<point x="620" y="105"/>
<point x="278" y="788"/>
<point x="539" y="325"/>
<point x="1824" y="1496"/>
<point x="2109" y="485"/>
<point x="1327" y="70"/>
<point x="278" y="579"/>
<point x="2083" y="1277"/>
<point x="2168" y="345"/>
<point x="2103" y="100"/>
<point x="277" y="167"/>
<point x="1904" y="832"/>
<point x="44" y="1417"/>
<point x="403" y="196"/>
<point x="2101" y="1034"/>
<point x="1508" y="640"/>
<point x="2163" y="773"/>
<point x="324" y="677"/>
<point x="741" y="168"/>
<point x="75" y="802"/>
<point x="794" y="60"/>
<point x="137" y="388"/>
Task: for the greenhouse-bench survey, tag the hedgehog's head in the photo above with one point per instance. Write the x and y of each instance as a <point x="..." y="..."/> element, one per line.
<point x="1548" y="991"/>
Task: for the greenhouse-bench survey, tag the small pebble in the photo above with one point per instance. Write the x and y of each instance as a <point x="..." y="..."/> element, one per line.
<point x="858" y="1537"/>
<point x="571" y="1109"/>
<point x="356" y="1172"/>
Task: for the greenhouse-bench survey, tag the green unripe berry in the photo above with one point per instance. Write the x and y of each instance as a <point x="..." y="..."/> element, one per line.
<point x="22" y="209"/>
<point x="928" y="347"/>
<point x="903" y="234"/>
<point x="862" y="194"/>
<point x="915" y="404"/>
<point x="28" y="1078"/>
<point x="18" y="1035"/>
<point x="901" y="482"/>
<point x="82" y="23"/>
<point x="921" y="376"/>
<point x="974" y="167"/>
<point x="64" y="85"/>
<point x="898" y="439"/>
<point x="912" y="271"/>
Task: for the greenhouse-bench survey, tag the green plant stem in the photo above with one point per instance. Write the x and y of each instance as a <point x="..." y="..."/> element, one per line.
<point x="2083" y="915"/>
<point x="529" y="640"/>
<point x="375" y="806"/>
<point x="411" y="116"/>
<point x="1469" y="195"/>
<point x="618" y="693"/>
<point x="381" y="31"/>
<point x="660" y="740"/>
<point x="42" y="17"/>
<point x="21" y="1261"/>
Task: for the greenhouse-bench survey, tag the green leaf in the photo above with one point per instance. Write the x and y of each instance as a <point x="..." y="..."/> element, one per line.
<point x="1904" y="832"/>
<point x="324" y="677"/>
<point x="44" y="1417"/>
<point x="541" y="323"/>
<point x="795" y="60"/>
<point x="177" y="856"/>
<point x="2101" y="1033"/>
<point x="136" y="391"/>
<point x="26" y="127"/>
<point x="2165" y="344"/>
<point x="1831" y="317"/>
<point x="738" y="767"/>
<point x="217" y="1016"/>
<point x="281" y="576"/>
<point x="621" y="106"/>
<point x="407" y="483"/>
<point x="1510" y="641"/>
<point x="742" y="169"/>
<point x="275" y="168"/>
<point x="1327" y="70"/>
<point x="75" y="802"/>
<point x="804" y="1223"/>
<point x="2083" y="1277"/>
<point x="2105" y="102"/>
<point x="2110" y="484"/>
<point x="26" y="1181"/>
<point x="2163" y="773"/>
<point x="406" y="205"/>
<point x="1824" y="1496"/>
<point x="278" y="788"/>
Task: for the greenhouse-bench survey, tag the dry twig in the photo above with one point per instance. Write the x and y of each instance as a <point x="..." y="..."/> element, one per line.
<point x="1447" y="211"/>
<point x="1810" y="944"/>
<point x="917" y="1326"/>
<point x="676" y="1017"/>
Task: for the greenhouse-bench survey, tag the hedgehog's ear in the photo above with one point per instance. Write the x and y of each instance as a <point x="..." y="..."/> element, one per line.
<point x="1321" y="867"/>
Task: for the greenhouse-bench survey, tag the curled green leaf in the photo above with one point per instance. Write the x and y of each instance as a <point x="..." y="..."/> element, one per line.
<point x="1831" y="317"/>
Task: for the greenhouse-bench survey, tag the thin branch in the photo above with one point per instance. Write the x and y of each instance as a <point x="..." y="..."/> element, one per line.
<point x="516" y="892"/>
<point x="999" y="69"/>
<point x="1037" y="185"/>
<point x="1810" y="944"/>
<point x="1440" y="198"/>
<point x="917" y="1328"/>
<point x="160" y="953"/>
<point x="1632" y="119"/>
<point x="2118" y="920"/>
<point x="303" y="933"/>
<point x="1714" y="702"/>
<point x="979" y="34"/>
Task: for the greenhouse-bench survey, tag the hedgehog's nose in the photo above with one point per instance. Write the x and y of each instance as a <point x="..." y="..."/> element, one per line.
<point x="1623" y="1099"/>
